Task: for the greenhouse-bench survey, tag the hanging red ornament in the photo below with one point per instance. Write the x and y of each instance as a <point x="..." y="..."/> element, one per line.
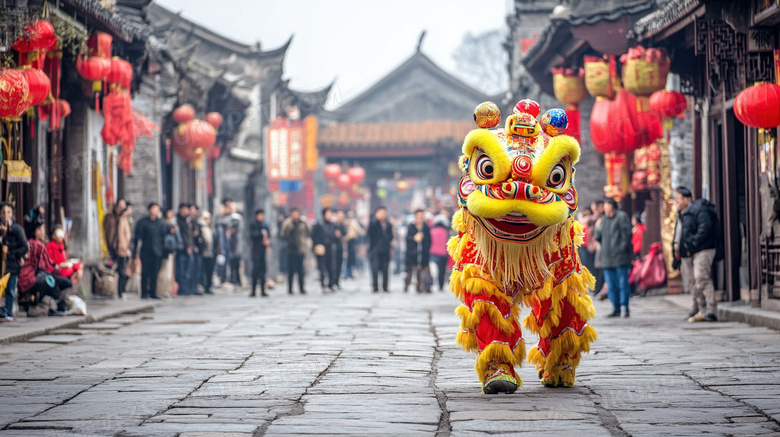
<point x="94" y="69"/>
<point x="191" y="140"/>
<point x="214" y="119"/>
<point x="37" y="35"/>
<point x="356" y="174"/>
<point x="56" y="111"/>
<point x="668" y="103"/>
<point x="343" y="200"/>
<point x="344" y="181"/>
<point x="184" y="113"/>
<point x="99" y="44"/>
<point x="332" y="171"/>
<point x="120" y="72"/>
<point x="759" y="106"/>
<point x="40" y="85"/>
<point x="14" y="93"/>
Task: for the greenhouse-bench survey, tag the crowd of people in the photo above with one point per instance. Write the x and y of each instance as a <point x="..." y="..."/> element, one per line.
<point x="183" y="252"/>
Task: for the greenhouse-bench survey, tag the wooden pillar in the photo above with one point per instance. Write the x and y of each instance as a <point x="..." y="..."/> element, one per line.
<point x="730" y="217"/>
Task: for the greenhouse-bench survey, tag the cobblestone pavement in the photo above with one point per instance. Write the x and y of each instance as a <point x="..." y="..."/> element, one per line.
<point x="361" y="363"/>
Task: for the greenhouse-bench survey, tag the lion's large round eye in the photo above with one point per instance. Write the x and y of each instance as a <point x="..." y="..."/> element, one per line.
<point x="557" y="178"/>
<point x="485" y="168"/>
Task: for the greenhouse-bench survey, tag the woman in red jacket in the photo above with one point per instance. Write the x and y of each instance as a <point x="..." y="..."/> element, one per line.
<point x="67" y="267"/>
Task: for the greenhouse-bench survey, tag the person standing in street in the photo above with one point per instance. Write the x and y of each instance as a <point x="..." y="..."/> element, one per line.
<point x="338" y="247"/>
<point x="296" y="232"/>
<point x="593" y="246"/>
<point x="354" y="232"/>
<point x="15" y="247"/>
<point x="184" y="256"/>
<point x="439" y="236"/>
<point x="124" y="236"/>
<point x="196" y="260"/>
<point x="208" y="251"/>
<point x="235" y="228"/>
<point x="110" y="228"/>
<point x="324" y="237"/>
<point x="380" y="237"/>
<point x="696" y="242"/>
<point x="614" y="236"/>
<point x="260" y="235"/>
<point x="148" y="246"/>
<point x="418" y="253"/>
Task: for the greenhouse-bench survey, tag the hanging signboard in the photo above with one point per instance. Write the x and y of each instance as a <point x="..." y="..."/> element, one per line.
<point x="285" y="147"/>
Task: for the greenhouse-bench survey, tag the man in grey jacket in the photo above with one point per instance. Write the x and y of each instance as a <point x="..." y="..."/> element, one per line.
<point x="614" y="234"/>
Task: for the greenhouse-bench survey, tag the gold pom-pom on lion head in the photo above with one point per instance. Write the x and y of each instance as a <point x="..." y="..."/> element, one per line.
<point x="517" y="181"/>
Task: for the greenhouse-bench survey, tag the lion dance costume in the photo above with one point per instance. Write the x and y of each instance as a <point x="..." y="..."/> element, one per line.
<point x="517" y="244"/>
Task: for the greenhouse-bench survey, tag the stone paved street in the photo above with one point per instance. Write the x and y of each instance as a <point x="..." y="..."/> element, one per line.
<point x="360" y="363"/>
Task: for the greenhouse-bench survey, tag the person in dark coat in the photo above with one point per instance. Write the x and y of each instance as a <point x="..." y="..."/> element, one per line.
<point x="338" y="247"/>
<point x="697" y="235"/>
<point x="15" y="247"/>
<point x="296" y="233"/>
<point x="260" y="235"/>
<point x="185" y="255"/>
<point x="325" y="236"/>
<point x="380" y="236"/>
<point x="196" y="259"/>
<point x="616" y="252"/>
<point x="418" y="253"/>
<point x="148" y="247"/>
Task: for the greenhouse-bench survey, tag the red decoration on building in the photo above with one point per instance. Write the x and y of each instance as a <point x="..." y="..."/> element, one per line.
<point x="356" y="174"/>
<point x="184" y="113"/>
<point x="668" y="103"/>
<point x="214" y="119"/>
<point x="120" y="73"/>
<point x="56" y="112"/>
<point x="39" y="84"/>
<point x="344" y="181"/>
<point x="93" y="68"/>
<point x="14" y="93"/>
<point x="759" y="106"/>
<point x="618" y="126"/>
<point x="99" y="44"/>
<point x="332" y="171"/>
<point x="37" y="35"/>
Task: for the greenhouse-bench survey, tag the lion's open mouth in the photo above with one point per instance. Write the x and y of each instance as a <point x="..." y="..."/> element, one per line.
<point x="513" y="226"/>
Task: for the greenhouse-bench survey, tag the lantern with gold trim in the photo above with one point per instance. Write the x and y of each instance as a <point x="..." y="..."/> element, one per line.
<point x="14" y="93"/>
<point x="569" y="88"/>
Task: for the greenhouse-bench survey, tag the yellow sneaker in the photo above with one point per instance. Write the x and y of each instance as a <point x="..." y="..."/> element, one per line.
<point x="699" y="317"/>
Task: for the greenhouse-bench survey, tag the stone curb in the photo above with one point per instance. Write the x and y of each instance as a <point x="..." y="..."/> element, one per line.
<point x="739" y="312"/>
<point x="74" y="322"/>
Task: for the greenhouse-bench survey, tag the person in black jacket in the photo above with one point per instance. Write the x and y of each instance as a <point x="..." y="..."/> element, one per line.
<point x="324" y="237"/>
<point x="184" y="256"/>
<point x="338" y="251"/>
<point x="260" y="236"/>
<point x="148" y="246"/>
<point x="15" y="247"/>
<point x="380" y="235"/>
<point x="418" y="253"/>
<point x="196" y="259"/>
<point x="696" y="239"/>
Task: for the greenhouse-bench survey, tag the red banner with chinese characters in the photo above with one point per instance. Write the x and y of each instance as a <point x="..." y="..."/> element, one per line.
<point x="285" y="142"/>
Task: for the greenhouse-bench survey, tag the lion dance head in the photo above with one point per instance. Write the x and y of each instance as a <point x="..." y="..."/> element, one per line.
<point x="517" y="193"/>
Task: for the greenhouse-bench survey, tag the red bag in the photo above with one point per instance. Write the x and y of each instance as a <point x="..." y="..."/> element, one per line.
<point x="653" y="273"/>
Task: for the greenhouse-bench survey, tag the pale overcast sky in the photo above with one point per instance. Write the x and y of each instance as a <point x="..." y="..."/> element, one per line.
<point x="355" y="42"/>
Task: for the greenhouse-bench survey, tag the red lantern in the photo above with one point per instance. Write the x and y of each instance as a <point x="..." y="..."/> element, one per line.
<point x="195" y="134"/>
<point x="214" y="119"/>
<point x="356" y="174"/>
<point x="93" y="68"/>
<point x="56" y="111"/>
<point x="99" y="44"/>
<point x="39" y="84"/>
<point x="344" y="181"/>
<point x="14" y="93"/>
<point x="332" y="171"/>
<point x="184" y="113"/>
<point x="668" y="103"/>
<point x="619" y="126"/>
<point x="38" y="35"/>
<point x="120" y="73"/>
<point x="759" y="106"/>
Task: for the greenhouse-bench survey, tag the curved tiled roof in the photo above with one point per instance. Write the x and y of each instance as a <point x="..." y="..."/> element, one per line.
<point x="413" y="134"/>
<point x="668" y="13"/>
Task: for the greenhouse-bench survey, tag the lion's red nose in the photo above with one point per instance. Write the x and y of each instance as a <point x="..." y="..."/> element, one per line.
<point x="521" y="167"/>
